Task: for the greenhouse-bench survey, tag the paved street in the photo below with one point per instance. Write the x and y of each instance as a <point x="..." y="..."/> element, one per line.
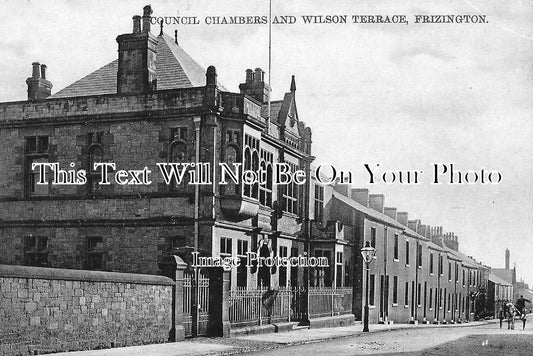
<point x="475" y="340"/>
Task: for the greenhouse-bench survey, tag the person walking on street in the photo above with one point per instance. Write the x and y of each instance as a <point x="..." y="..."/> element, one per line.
<point x="521" y="303"/>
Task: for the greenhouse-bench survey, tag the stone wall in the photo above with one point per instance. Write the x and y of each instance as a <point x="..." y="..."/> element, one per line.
<point x="45" y="310"/>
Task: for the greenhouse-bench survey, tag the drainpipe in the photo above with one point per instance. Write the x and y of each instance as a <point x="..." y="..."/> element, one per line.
<point x="416" y="277"/>
<point x="438" y="289"/>
<point x="385" y="292"/>
<point x="194" y="304"/>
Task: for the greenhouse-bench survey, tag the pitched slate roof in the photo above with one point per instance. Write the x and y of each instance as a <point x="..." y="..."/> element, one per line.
<point x="175" y="69"/>
<point x="503" y="273"/>
<point x="494" y="278"/>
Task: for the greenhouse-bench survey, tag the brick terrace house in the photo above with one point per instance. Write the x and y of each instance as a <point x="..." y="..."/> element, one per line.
<point x="153" y="104"/>
<point x="418" y="274"/>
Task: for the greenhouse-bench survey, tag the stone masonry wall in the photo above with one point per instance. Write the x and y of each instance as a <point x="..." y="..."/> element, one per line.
<point x="45" y="310"/>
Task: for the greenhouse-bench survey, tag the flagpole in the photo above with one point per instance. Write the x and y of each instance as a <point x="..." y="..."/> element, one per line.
<point x="269" y="61"/>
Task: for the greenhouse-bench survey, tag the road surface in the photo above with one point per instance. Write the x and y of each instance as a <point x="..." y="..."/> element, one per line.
<point x="478" y="340"/>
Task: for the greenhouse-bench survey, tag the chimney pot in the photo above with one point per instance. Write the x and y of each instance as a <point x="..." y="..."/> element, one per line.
<point x="147" y="12"/>
<point x="211" y="76"/>
<point x="43" y="71"/>
<point x="38" y="87"/>
<point x="36" y="71"/>
<point x="255" y="85"/>
<point x="259" y="75"/>
<point x="136" y="24"/>
<point x="249" y="75"/>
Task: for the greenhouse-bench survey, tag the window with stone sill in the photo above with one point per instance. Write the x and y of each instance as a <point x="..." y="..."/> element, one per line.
<point x="225" y="247"/>
<point x="251" y="162"/>
<point x="339" y="265"/>
<point x="395" y="290"/>
<point x="95" y="253"/>
<point x="396" y="247"/>
<point x="36" y="251"/>
<point x="179" y="133"/>
<point x="231" y="156"/>
<point x="242" y="250"/>
<point x="291" y="193"/>
<point x="233" y="136"/>
<point x="407" y="253"/>
<point x="265" y="189"/>
<point x="36" y="151"/>
<point x="319" y="202"/>
<point x="419" y="255"/>
<point x="406" y="295"/>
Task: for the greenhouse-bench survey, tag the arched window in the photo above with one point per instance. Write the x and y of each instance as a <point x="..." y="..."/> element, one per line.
<point x="265" y="189"/>
<point x="255" y="168"/>
<point x="230" y="158"/>
<point x="247" y="166"/>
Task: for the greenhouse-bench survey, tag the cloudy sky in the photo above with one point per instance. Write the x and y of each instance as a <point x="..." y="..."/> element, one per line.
<point x="404" y="96"/>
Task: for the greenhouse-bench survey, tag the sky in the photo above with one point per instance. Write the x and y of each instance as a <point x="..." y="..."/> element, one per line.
<point x="402" y="96"/>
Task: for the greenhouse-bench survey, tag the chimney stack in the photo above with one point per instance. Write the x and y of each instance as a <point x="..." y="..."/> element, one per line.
<point x="507" y="258"/>
<point x="390" y="212"/>
<point x="402" y="217"/>
<point x="137" y="57"/>
<point x="136" y="24"/>
<point x="255" y="85"/>
<point x="360" y="195"/>
<point x="147" y="17"/>
<point x="343" y="188"/>
<point x="38" y="86"/>
<point x="413" y="225"/>
<point x="376" y="202"/>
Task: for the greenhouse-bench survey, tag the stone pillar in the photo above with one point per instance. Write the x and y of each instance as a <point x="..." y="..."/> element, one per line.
<point x="219" y="289"/>
<point x="173" y="267"/>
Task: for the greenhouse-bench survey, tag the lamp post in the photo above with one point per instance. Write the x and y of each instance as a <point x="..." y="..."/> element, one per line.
<point x="368" y="253"/>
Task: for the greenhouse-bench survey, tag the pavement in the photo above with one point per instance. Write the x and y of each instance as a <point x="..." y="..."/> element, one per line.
<point x="248" y="343"/>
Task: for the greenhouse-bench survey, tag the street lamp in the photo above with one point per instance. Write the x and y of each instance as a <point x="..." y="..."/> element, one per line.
<point x="368" y="252"/>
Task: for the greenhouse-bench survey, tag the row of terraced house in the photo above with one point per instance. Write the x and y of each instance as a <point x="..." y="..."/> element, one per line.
<point x="156" y="104"/>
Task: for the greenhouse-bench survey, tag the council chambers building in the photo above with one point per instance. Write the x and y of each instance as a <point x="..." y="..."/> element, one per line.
<point x="153" y="104"/>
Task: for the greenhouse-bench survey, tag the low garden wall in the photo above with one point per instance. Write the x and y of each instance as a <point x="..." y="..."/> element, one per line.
<point x="45" y="310"/>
